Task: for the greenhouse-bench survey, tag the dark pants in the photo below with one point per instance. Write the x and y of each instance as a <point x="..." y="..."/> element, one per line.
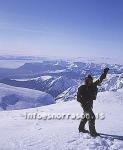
<point x="90" y="117"/>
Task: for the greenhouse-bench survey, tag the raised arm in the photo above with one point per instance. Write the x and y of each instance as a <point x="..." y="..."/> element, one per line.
<point x="102" y="77"/>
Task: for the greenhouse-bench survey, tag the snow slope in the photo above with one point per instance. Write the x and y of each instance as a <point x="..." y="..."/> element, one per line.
<point x="20" y="98"/>
<point x="22" y="134"/>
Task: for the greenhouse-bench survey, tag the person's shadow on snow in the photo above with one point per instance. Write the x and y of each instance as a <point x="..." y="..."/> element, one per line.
<point x="117" y="137"/>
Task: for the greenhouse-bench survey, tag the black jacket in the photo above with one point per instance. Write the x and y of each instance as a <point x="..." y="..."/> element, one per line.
<point x="86" y="94"/>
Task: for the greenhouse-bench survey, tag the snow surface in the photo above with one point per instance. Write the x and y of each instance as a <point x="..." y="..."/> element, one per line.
<point x="18" y="133"/>
<point x="19" y="98"/>
<point x="43" y="78"/>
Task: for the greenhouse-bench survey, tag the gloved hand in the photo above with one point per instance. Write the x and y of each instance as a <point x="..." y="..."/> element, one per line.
<point x="106" y="70"/>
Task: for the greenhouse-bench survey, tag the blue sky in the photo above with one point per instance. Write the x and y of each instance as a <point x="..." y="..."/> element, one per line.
<point x="61" y="27"/>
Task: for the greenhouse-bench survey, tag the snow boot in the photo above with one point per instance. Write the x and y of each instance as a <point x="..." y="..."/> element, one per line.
<point x="94" y="134"/>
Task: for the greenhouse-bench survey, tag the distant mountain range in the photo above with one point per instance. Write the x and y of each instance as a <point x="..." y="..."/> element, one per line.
<point x="70" y="69"/>
<point x="58" y="77"/>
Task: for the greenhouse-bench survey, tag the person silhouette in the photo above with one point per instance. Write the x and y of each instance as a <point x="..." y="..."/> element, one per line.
<point x="85" y="95"/>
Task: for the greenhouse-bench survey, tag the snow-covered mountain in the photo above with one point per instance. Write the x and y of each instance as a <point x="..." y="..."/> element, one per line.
<point x="71" y="69"/>
<point x="113" y="82"/>
<point x="64" y="83"/>
<point x="51" y="85"/>
<point x="21" y="98"/>
<point x="60" y="84"/>
<point x="61" y="78"/>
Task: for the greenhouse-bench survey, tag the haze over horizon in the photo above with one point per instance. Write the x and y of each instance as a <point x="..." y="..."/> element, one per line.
<point x="64" y="28"/>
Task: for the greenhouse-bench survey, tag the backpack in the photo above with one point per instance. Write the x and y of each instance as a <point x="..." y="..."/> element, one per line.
<point x="79" y="95"/>
<point x="83" y="95"/>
